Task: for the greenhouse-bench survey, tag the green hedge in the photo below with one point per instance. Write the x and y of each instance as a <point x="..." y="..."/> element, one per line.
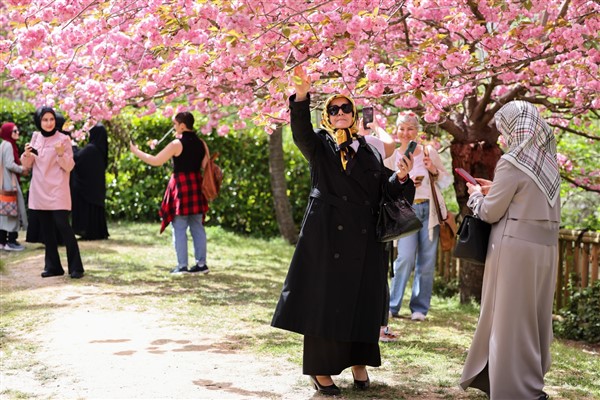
<point x="580" y="319"/>
<point x="135" y="189"/>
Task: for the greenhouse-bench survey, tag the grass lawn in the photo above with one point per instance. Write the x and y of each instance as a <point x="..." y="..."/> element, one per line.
<point x="238" y="298"/>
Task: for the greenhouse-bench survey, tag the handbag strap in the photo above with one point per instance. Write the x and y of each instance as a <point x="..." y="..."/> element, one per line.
<point x="206" y="158"/>
<point x="433" y="191"/>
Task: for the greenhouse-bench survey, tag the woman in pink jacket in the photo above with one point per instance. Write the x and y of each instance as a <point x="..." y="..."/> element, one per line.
<point x="50" y="156"/>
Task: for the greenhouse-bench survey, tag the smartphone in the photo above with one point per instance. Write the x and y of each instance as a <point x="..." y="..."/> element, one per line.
<point x="367" y="113"/>
<point x="34" y="151"/>
<point x="466" y="176"/>
<point x="412" y="145"/>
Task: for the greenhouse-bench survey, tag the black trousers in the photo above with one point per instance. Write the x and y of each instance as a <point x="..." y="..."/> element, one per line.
<point x="50" y="222"/>
<point x="8" y="237"/>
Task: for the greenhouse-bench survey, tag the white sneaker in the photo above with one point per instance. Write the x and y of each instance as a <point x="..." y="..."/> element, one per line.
<point x="14" y="247"/>
<point x="417" y="316"/>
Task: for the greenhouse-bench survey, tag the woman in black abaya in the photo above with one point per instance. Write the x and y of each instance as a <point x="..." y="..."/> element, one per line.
<point x="88" y="186"/>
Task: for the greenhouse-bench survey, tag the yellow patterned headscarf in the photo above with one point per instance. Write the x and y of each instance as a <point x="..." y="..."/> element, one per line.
<point x="343" y="137"/>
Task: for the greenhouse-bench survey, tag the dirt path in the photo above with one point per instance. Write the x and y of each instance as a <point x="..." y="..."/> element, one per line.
<point x="89" y="351"/>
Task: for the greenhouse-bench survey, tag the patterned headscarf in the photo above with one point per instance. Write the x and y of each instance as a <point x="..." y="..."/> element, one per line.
<point x="343" y="137"/>
<point x="531" y="145"/>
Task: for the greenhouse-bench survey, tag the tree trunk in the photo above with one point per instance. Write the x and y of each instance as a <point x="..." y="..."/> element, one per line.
<point x="479" y="159"/>
<point x="283" y="208"/>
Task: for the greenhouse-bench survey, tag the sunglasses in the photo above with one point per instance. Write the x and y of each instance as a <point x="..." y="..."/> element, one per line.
<point x="15" y="130"/>
<point x="334" y="110"/>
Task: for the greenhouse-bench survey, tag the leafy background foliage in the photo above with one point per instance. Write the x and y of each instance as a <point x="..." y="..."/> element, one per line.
<point x="580" y="319"/>
<point x="135" y="189"/>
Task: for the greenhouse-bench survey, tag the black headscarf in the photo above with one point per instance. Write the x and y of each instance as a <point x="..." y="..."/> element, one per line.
<point x="99" y="138"/>
<point x="37" y="118"/>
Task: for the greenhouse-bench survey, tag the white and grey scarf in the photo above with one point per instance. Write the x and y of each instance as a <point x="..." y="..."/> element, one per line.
<point x="531" y="144"/>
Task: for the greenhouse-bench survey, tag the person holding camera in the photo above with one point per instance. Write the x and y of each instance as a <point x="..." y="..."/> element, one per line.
<point x="418" y="251"/>
<point x="334" y="290"/>
<point x="510" y="352"/>
<point x="183" y="206"/>
<point x="50" y="156"/>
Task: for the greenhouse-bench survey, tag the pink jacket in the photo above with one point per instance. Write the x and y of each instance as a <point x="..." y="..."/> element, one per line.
<point x="49" y="189"/>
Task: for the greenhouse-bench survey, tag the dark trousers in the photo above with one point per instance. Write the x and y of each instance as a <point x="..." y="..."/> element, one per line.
<point x="12" y="237"/>
<point x="50" y="222"/>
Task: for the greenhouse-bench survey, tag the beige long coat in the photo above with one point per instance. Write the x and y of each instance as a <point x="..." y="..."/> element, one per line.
<point x="510" y="352"/>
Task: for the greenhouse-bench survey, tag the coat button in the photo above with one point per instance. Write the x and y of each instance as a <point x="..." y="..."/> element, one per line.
<point x="363" y="231"/>
<point x="340" y="227"/>
<point x="336" y="255"/>
<point x="367" y="203"/>
<point x="345" y="198"/>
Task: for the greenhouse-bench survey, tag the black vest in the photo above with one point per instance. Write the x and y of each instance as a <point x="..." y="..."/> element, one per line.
<point x="192" y="154"/>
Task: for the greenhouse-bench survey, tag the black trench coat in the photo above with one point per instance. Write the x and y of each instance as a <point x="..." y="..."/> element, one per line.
<point x="335" y="287"/>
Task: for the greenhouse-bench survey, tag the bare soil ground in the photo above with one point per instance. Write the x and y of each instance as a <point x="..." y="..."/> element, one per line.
<point x="89" y="351"/>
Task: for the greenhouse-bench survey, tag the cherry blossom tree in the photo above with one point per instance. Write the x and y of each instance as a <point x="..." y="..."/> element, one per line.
<point x="454" y="62"/>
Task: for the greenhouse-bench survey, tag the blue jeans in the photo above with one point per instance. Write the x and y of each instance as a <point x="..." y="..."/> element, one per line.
<point x="419" y="253"/>
<point x="180" y="224"/>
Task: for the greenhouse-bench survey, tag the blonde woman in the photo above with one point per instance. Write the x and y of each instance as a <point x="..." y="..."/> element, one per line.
<point x="418" y="251"/>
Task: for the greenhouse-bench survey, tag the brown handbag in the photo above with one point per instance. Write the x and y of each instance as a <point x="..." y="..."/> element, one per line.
<point x="448" y="225"/>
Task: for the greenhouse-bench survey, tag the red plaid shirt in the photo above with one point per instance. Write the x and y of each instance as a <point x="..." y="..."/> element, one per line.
<point x="183" y="197"/>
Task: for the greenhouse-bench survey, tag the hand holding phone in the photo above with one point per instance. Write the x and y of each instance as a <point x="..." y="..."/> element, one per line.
<point x="367" y="113"/>
<point x="412" y="146"/>
<point x="31" y="149"/>
<point x="466" y="176"/>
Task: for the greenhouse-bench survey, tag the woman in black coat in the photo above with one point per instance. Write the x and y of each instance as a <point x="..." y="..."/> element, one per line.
<point x="334" y="293"/>
<point x="88" y="186"/>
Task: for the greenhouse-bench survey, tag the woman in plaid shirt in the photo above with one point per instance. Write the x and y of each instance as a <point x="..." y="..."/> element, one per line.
<point x="183" y="204"/>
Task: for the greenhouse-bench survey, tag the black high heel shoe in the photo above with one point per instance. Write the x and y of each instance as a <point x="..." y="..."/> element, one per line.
<point x="331" y="390"/>
<point x="361" y="385"/>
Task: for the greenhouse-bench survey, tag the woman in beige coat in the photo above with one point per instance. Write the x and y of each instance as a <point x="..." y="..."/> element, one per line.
<point x="510" y="353"/>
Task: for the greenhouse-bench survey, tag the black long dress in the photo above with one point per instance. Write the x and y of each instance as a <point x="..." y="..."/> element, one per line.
<point x="334" y="292"/>
<point x="88" y="187"/>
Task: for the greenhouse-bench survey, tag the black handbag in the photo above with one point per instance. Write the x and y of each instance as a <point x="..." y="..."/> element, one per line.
<point x="396" y="219"/>
<point x="473" y="238"/>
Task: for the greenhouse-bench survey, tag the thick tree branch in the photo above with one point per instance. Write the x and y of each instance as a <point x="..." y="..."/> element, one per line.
<point x="484" y="101"/>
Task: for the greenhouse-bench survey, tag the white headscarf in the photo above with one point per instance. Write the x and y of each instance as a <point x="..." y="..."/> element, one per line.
<point x="532" y="145"/>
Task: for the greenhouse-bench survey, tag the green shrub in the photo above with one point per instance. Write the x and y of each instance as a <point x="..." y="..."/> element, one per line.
<point x="135" y="189"/>
<point x="245" y="204"/>
<point x="444" y="289"/>
<point x="580" y="319"/>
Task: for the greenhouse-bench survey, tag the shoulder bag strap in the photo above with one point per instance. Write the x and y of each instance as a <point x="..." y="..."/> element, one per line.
<point x="206" y="155"/>
<point x="433" y="191"/>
